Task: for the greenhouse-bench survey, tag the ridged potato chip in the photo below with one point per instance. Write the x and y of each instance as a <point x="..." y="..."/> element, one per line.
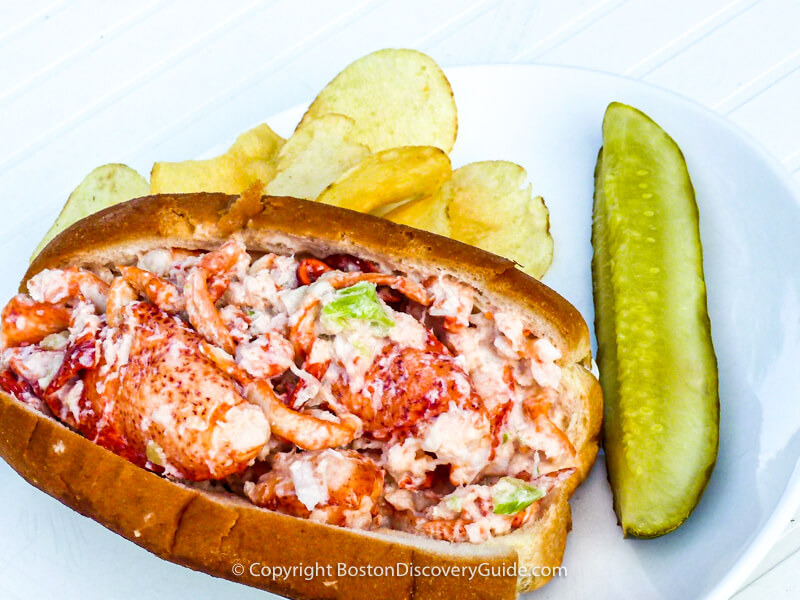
<point x="397" y="97"/>
<point x="428" y="213"/>
<point x="487" y="204"/>
<point x="389" y="177"/>
<point x="315" y="155"/>
<point x="251" y="158"/>
<point x="493" y="209"/>
<point x="103" y="187"/>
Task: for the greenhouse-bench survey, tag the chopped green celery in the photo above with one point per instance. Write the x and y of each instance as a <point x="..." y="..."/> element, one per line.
<point x="512" y="495"/>
<point x="454" y="503"/>
<point x="154" y="453"/>
<point x="357" y="302"/>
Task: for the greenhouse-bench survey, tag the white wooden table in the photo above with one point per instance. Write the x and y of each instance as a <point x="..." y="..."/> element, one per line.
<point x="84" y="83"/>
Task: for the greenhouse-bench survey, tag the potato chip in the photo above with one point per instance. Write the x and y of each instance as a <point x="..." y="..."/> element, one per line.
<point x="487" y="205"/>
<point x="396" y="97"/>
<point x="388" y="177"/>
<point x="493" y="209"/>
<point x="428" y="213"/>
<point x="251" y="158"/>
<point x="105" y="186"/>
<point x="315" y="155"/>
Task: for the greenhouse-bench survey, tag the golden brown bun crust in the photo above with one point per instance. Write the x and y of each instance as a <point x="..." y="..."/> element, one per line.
<point x="212" y="532"/>
<point x="587" y="408"/>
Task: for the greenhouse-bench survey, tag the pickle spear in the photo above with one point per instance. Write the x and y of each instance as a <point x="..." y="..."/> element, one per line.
<point x="657" y="365"/>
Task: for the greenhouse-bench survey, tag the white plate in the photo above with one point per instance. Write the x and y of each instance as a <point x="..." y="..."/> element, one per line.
<point x="548" y="120"/>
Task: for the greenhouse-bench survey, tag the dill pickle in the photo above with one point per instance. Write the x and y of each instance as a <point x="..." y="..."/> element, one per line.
<point x="657" y="365"/>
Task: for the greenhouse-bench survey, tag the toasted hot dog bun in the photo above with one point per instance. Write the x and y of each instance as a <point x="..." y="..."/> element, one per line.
<point x="212" y="532"/>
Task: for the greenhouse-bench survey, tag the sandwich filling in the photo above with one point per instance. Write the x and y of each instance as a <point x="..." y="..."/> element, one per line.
<point x="326" y="388"/>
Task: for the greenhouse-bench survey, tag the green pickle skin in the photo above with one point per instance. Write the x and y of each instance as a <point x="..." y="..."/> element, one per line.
<point x="657" y="365"/>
